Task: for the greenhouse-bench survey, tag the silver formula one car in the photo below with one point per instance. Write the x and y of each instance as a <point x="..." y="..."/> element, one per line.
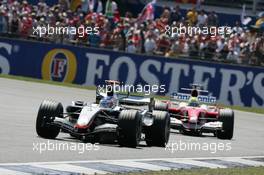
<point x="107" y="122"/>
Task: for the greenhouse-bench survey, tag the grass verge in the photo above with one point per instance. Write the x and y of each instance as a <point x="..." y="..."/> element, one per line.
<point x="246" y="109"/>
<point x="47" y="82"/>
<point x="229" y="171"/>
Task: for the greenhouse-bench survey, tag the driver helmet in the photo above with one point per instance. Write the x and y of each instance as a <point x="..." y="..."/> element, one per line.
<point x="193" y="101"/>
<point x="108" y="102"/>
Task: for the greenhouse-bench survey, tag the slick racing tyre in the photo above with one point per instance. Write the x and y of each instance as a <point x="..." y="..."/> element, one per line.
<point x="129" y="128"/>
<point x="160" y="106"/>
<point x="158" y="134"/>
<point x="48" y="110"/>
<point x="226" y="116"/>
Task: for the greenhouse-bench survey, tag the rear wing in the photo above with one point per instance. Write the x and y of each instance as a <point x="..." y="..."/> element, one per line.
<point x="196" y="87"/>
<point x="185" y="97"/>
<point x="134" y="100"/>
<point x="128" y="99"/>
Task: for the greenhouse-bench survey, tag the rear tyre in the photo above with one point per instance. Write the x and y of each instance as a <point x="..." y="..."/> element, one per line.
<point x="129" y="128"/>
<point x="48" y="110"/>
<point x="158" y="134"/>
<point x="160" y="106"/>
<point x="226" y="116"/>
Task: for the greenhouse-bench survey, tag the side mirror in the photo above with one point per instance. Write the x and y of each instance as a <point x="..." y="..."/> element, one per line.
<point x="97" y="91"/>
<point x="98" y="96"/>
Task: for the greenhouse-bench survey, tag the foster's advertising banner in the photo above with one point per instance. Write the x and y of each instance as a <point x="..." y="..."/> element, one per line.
<point x="231" y="84"/>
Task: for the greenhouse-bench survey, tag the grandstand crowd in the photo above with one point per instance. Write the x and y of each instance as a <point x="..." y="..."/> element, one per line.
<point x="142" y="34"/>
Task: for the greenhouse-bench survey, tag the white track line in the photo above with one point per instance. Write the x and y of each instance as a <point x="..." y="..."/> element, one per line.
<point x="4" y="171"/>
<point x="198" y="163"/>
<point x="72" y="168"/>
<point x="141" y="165"/>
<point x="245" y="161"/>
<point x="125" y="160"/>
<point x="67" y="166"/>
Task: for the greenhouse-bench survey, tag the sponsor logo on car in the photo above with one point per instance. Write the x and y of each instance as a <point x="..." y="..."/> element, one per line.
<point x="186" y="97"/>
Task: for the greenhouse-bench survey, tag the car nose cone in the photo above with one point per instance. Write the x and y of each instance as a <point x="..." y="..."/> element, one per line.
<point x="193" y="119"/>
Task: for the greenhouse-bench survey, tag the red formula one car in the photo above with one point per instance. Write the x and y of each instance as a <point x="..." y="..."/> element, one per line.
<point x="196" y="114"/>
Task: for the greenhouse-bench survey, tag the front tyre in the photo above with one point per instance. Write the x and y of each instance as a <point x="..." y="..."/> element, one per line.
<point x="129" y="128"/>
<point x="226" y="116"/>
<point x="48" y="110"/>
<point x="158" y="134"/>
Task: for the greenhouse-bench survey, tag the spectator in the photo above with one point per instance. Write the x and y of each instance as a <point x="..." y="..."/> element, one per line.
<point x="192" y="16"/>
<point x="94" y="40"/>
<point x="163" y="45"/>
<point x="176" y="15"/>
<point x="237" y="28"/>
<point x="260" y="50"/>
<point x="220" y="46"/>
<point x="42" y="9"/>
<point x="106" y="40"/>
<point x="92" y="6"/>
<point x="194" y="48"/>
<point x="202" y="19"/>
<point x="174" y="49"/>
<point x="234" y="50"/>
<point x="212" y="19"/>
<point x="185" y="46"/>
<point x="110" y="8"/>
<point x="26" y="9"/>
<point x="64" y="4"/>
<point x="131" y="48"/>
<point x="224" y="52"/>
<point x="25" y="25"/>
<point x="117" y="40"/>
<point x="3" y="22"/>
<point x="136" y="39"/>
<point x="14" y="23"/>
<point x="245" y="53"/>
<point x="150" y="44"/>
